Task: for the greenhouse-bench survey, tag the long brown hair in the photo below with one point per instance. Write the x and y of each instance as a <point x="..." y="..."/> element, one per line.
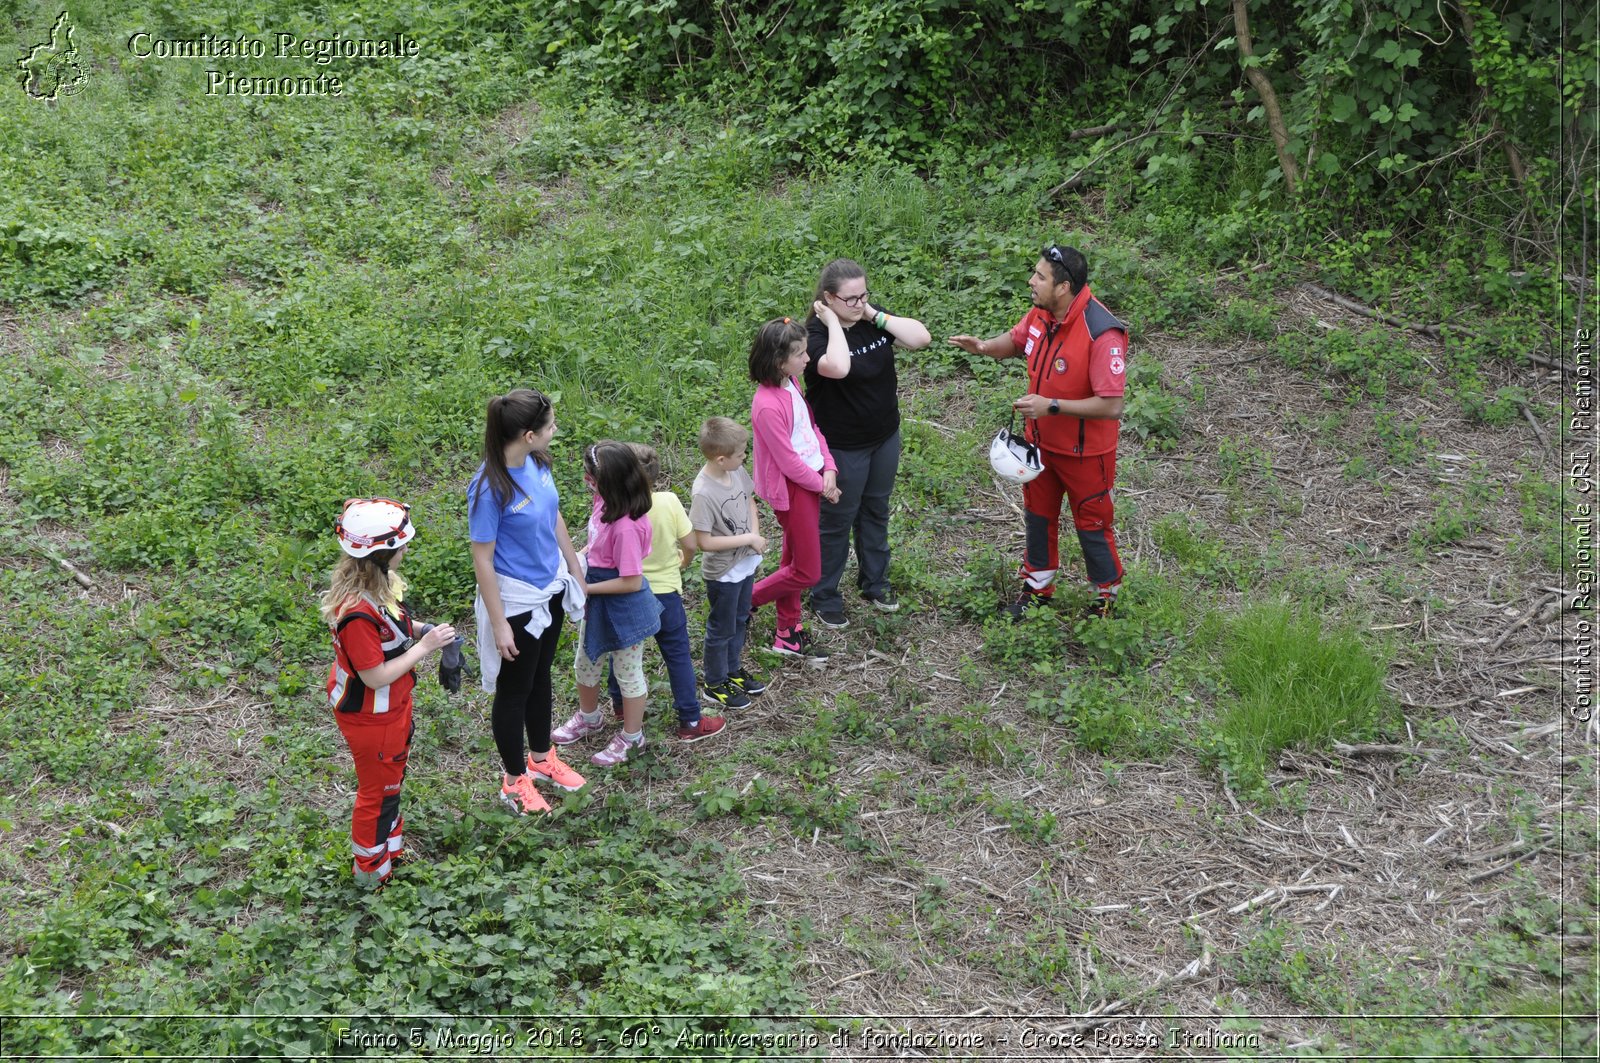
<point x="834" y="274"/>
<point x="619" y="480"/>
<point x="510" y="415"/>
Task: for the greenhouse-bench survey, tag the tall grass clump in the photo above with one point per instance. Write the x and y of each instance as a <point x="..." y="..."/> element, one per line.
<point x="1293" y="682"/>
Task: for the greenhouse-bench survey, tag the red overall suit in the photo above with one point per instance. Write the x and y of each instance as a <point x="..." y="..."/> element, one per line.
<point x="1081" y="356"/>
<point x="376" y="724"/>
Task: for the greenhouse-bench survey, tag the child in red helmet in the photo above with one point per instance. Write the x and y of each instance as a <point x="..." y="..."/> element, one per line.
<point x="370" y="684"/>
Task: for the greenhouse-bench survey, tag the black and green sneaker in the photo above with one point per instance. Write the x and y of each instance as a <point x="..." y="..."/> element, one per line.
<point x="728" y="694"/>
<point x="750" y="684"/>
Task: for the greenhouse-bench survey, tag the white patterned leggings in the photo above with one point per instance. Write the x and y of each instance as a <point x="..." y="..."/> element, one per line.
<point x="628" y="662"/>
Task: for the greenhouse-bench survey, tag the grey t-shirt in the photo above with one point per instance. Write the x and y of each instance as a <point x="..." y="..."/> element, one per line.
<point x="722" y="509"/>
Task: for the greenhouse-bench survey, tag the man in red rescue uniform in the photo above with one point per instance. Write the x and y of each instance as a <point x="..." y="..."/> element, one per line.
<point x="1077" y="355"/>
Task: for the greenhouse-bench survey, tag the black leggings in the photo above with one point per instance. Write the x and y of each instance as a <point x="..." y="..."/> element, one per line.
<point x="522" y="698"/>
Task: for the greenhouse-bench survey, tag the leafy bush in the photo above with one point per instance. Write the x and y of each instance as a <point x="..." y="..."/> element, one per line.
<point x="1152" y="413"/>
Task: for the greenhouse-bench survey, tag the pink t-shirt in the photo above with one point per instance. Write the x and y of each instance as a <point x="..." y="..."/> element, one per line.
<point x="622" y="544"/>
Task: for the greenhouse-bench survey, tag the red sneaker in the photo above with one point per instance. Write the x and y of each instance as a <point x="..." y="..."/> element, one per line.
<point x="708" y="726"/>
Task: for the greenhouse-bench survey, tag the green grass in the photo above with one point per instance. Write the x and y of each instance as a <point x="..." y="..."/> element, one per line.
<point x="1293" y="680"/>
<point x="225" y="316"/>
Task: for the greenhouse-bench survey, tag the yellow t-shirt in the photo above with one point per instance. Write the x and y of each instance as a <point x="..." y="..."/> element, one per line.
<point x="668" y="524"/>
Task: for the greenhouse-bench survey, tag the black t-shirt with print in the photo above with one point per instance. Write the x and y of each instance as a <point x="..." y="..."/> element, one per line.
<point x="863" y="409"/>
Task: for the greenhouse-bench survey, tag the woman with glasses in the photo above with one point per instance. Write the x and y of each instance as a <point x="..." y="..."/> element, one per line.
<point x="852" y="388"/>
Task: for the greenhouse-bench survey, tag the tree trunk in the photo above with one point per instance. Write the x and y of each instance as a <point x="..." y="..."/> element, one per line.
<point x="1269" y="98"/>
<point x="1519" y="172"/>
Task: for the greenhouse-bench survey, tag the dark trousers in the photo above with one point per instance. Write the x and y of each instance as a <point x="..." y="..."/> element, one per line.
<point x="727" y="618"/>
<point x="522" y="698"/>
<point x="866" y="479"/>
<point x="673" y="638"/>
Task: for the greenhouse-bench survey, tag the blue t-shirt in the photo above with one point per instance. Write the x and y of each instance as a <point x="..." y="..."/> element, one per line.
<point x="523" y="529"/>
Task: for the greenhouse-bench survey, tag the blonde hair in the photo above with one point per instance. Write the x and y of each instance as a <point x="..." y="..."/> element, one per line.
<point x="355" y="577"/>
<point x="722" y="436"/>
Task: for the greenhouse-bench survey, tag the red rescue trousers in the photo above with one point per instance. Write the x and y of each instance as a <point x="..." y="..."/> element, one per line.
<point x="1086" y="483"/>
<point x="380" y="746"/>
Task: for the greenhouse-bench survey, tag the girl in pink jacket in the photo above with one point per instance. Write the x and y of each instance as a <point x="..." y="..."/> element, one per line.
<point x="793" y="472"/>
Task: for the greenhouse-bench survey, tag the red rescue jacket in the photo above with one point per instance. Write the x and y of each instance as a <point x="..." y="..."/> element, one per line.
<point x="1058" y="354"/>
<point x="365" y="621"/>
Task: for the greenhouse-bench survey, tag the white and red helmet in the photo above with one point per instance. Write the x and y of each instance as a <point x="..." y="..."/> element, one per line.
<point x="1013" y="458"/>
<point x="369" y="524"/>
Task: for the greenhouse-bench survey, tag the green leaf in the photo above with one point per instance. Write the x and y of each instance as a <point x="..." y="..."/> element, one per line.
<point x="1388" y="53"/>
<point x="1139" y="33"/>
<point x="1341" y="108"/>
<point x="188" y="395"/>
<point x="1383" y="115"/>
<point x="1407" y="113"/>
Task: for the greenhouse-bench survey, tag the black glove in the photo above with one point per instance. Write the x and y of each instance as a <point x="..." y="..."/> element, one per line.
<point x="450" y="660"/>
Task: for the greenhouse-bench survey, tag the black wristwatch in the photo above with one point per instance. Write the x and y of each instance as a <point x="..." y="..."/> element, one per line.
<point x="1055" y="406"/>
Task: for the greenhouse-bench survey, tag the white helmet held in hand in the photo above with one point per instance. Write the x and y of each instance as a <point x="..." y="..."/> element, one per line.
<point x="1014" y="458"/>
<point x="369" y="524"/>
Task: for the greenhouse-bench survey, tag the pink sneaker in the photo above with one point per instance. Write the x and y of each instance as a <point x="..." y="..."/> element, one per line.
<point x="552" y="769"/>
<point x="576" y="728"/>
<point x="617" y="751"/>
<point x="520" y="796"/>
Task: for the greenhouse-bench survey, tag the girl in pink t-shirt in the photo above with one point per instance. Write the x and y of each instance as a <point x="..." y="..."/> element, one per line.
<point x="622" y="611"/>
<point x="794" y="471"/>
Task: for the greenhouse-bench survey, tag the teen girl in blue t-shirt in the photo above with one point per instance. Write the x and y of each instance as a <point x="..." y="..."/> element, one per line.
<point x="524" y="561"/>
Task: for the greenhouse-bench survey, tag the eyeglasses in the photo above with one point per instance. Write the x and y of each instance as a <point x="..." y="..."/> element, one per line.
<point x="1056" y="255"/>
<point x="851" y="300"/>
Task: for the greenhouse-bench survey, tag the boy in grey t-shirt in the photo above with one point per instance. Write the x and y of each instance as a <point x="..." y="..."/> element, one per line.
<point x="727" y="531"/>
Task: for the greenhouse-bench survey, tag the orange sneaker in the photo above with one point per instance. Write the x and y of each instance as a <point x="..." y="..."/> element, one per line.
<point x="552" y="769"/>
<point x="519" y="794"/>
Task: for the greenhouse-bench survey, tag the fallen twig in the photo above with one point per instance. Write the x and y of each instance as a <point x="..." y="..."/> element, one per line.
<point x="1283" y="893"/>
<point x="1534" y="424"/>
<point x="1098" y="1015"/>
<point x="1508" y="865"/>
<point x="1527" y="615"/>
<point x="1379" y="749"/>
<point x="1366" y="311"/>
<point x="1093" y="131"/>
<point x="83" y="581"/>
<point x="1431" y="331"/>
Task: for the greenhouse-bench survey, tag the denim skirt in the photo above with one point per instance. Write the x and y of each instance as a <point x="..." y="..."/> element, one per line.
<point x="617" y="621"/>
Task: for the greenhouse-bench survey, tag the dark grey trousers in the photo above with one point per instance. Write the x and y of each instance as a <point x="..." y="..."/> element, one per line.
<point x="866" y="479"/>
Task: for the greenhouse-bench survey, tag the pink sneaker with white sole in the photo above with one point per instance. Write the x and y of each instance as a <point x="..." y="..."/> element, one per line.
<point x="575" y="729"/>
<point x="617" y="750"/>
